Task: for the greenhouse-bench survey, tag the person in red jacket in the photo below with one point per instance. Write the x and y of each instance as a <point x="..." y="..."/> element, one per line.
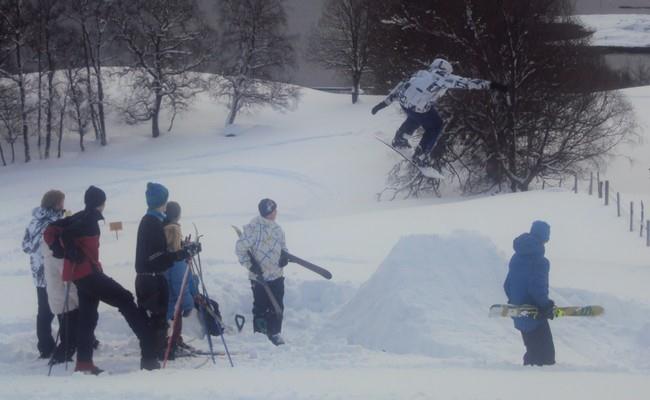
<point x="77" y="238"/>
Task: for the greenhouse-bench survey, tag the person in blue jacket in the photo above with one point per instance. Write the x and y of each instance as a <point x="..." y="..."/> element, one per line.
<point x="527" y="283"/>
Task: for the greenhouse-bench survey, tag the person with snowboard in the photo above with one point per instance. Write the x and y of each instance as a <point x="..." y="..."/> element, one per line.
<point x="418" y="96"/>
<point x="527" y="283"/>
<point x="77" y="238"/>
<point x="51" y="210"/>
<point x="174" y="277"/>
<point x="262" y="250"/>
<point x="152" y="260"/>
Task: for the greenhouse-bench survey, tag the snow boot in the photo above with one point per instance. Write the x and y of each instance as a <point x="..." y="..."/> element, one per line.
<point x="260" y="325"/>
<point x="277" y="339"/>
<point x="399" y="142"/>
<point x="87" y="368"/>
<point x="150" y="364"/>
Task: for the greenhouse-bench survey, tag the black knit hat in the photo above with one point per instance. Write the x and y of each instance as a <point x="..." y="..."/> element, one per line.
<point x="266" y="207"/>
<point x="94" y="197"/>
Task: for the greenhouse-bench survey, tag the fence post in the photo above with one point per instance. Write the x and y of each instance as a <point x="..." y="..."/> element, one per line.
<point x="600" y="189"/>
<point x="591" y="183"/>
<point x="647" y="233"/>
<point x="575" y="184"/>
<point x="631" y="216"/>
<point x="642" y="217"/>
<point x="606" y="193"/>
<point x="618" y="204"/>
<point x="544" y="184"/>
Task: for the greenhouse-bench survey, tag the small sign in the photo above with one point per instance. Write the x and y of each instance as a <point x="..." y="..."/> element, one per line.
<point x="115" y="227"/>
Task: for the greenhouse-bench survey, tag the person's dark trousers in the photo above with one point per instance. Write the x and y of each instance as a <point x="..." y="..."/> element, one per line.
<point x="408" y="126"/>
<point x="432" y="124"/>
<point x="152" y="291"/>
<point x="263" y="308"/>
<point x="539" y="346"/>
<point x="44" y="319"/>
<point x="98" y="287"/>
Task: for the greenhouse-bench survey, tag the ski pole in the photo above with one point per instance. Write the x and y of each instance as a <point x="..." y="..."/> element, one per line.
<point x="177" y="315"/>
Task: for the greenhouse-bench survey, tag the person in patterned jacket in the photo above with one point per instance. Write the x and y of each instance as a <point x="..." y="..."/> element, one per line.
<point x="418" y="96"/>
<point x="51" y="210"/>
<point x="262" y="250"/>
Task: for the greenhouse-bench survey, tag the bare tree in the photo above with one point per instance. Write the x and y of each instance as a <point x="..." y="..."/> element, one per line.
<point x="91" y="17"/>
<point x="80" y="113"/>
<point x="10" y="122"/>
<point x="165" y="40"/>
<point x="254" y="48"/>
<point x="15" y="20"/>
<point x="341" y="40"/>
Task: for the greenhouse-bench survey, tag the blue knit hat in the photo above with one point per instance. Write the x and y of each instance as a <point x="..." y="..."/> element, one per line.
<point x="266" y="207"/>
<point x="157" y="195"/>
<point x="541" y="230"/>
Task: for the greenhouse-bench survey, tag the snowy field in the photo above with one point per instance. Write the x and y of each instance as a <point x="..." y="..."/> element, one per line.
<point x="405" y="316"/>
<point x="619" y="30"/>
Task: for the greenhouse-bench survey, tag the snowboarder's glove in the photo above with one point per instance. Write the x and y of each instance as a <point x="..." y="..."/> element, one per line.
<point x="378" y="108"/>
<point x="284" y="259"/>
<point x="255" y="268"/>
<point x="546" y="312"/>
<point x="498" y="87"/>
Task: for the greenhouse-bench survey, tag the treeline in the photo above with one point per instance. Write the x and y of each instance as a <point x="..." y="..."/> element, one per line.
<point x="53" y="56"/>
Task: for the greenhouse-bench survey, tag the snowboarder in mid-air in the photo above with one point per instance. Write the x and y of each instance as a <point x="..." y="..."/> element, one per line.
<point x="418" y="96"/>
<point x="263" y="251"/>
<point x="527" y="283"/>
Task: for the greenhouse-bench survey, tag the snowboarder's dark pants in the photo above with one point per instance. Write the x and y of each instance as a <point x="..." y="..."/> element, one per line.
<point x="152" y="291"/>
<point x="264" y="315"/>
<point x="67" y="335"/>
<point x="98" y="287"/>
<point x="44" y="319"/>
<point x="430" y="121"/>
<point x="539" y="346"/>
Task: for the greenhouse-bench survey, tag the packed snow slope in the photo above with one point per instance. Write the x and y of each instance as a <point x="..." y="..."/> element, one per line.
<point x="405" y="315"/>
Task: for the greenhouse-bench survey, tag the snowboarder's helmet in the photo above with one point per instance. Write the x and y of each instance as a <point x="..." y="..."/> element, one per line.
<point x="266" y="207"/>
<point x="440" y="64"/>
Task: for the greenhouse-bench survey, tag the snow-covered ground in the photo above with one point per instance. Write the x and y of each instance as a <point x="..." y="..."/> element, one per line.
<point x="619" y="30"/>
<point x="405" y="315"/>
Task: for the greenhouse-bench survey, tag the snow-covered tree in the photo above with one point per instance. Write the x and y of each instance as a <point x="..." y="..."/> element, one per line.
<point x="10" y="118"/>
<point x="341" y="41"/>
<point x="255" y="49"/>
<point x="554" y="123"/>
<point x="165" y="39"/>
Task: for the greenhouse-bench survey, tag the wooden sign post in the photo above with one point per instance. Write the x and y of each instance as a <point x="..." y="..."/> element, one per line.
<point x="115" y="227"/>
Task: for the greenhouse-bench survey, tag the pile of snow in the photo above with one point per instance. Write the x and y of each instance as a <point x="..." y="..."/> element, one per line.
<point x="619" y="30"/>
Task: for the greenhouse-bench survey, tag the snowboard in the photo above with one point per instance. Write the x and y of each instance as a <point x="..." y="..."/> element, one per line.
<point x="428" y="172"/>
<point x="312" y="267"/>
<point x="509" y="310"/>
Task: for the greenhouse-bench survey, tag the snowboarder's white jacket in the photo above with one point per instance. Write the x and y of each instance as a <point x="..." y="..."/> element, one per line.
<point x="41" y="218"/>
<point x="425" y="87"/>
<point x="265" y="240"/>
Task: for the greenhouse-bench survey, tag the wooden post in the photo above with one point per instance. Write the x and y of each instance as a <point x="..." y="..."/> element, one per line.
<point x="631" y="216"/>
<point x="606" y="193"/>
<point x="618" y="204"/>
<point x="115" y="227"/>
<point x="544" y="184"/>
<point x="647" y="233"/>
<point x="575" y="184"/>
<point x="642" y="217"/>
<point x="600" y="189"/>
<point x="591" y="183"/>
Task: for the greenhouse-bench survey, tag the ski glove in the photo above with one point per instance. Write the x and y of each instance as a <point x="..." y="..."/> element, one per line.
<point x="546" y="312"/>
<point x="378" y="108"/>
<point x="498" y="87"/>
<point x="284" y="259"/>
<point x="255" y="268"/>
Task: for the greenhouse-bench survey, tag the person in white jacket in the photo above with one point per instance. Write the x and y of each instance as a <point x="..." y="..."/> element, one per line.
<point x="262" y="250"/>
<point x="418" y="96"/>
